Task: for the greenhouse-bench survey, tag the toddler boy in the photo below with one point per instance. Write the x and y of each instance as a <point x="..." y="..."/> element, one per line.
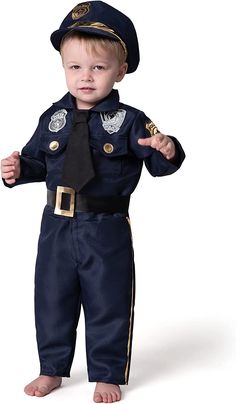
<point x="89" y="148"/>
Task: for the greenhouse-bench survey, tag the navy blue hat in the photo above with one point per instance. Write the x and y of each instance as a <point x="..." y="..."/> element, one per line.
<point x="100" y="19"/>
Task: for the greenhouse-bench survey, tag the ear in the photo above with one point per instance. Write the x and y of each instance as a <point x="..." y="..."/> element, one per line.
<point x="122" y="71"/>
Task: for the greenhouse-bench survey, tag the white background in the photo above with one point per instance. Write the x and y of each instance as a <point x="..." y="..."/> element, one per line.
<point x="183" y="225"/>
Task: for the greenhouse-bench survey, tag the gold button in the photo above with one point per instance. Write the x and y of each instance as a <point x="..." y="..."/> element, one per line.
<point x="108" y="148"/>
<point x="54" y="145"/>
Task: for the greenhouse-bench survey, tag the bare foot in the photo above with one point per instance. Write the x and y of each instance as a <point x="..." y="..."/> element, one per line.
<point x="106" y="393"/>
<point x="42" y="386"/>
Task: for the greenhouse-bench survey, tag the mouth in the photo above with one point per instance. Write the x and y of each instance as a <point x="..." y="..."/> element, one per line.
<point x="87" y="89"/>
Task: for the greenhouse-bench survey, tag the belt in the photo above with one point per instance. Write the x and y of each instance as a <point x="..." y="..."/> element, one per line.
<point x="66" y="202"/>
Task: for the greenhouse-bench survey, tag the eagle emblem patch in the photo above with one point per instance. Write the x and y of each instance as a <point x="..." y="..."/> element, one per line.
<point x="112" y="121"/>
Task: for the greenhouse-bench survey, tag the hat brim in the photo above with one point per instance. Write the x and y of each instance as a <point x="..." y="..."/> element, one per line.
<point x="57" y="36"/>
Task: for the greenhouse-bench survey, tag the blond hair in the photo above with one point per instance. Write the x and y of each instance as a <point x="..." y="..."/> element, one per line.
<point x="93" y="43"/>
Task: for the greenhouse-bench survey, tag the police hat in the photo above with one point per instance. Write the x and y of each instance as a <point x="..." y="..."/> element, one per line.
<point x="100" y="19"/>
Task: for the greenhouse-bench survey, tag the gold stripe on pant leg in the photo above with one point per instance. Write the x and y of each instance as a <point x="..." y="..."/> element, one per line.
<point x="131" y="314"/>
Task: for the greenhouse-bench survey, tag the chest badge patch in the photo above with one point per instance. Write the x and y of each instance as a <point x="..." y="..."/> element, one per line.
<point x="58" y="120"/>
<point x="112" y="121"/>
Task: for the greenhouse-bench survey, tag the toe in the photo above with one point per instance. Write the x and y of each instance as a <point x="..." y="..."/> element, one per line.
<point x="29" y="390"/>
<point x="105" y="397"/>
<point x="109" y="397"/>
<point x="42" y="391"/>
<point x="114" y="397"/>
<point x="97" y="398"/>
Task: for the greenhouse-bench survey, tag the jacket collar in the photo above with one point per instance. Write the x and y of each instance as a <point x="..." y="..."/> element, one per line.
<point x="110" y="103"/>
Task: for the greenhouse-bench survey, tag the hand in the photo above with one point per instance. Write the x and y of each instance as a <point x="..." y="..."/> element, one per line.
<point x="10" y="168"/>
<point x="160" y="142"/>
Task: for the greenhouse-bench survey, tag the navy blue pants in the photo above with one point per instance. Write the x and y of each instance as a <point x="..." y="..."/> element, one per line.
<point x="85" y="260"/>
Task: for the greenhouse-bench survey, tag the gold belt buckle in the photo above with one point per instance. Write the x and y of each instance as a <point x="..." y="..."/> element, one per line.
<point x="63" y="212"/>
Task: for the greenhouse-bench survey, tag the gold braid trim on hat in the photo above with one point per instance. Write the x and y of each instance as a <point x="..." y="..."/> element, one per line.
<point x="102" y="27"/>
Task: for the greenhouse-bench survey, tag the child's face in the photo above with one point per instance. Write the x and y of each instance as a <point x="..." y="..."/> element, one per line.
<point x="90" y="77"/>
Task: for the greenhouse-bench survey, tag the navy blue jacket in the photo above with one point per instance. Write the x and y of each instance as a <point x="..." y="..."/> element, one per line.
<point x="117" y="172"/>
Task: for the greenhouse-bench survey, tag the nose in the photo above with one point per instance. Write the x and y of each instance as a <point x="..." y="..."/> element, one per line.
<point x="86" y="75"/>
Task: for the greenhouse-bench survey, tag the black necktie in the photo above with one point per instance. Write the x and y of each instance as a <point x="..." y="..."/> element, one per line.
<point x="78" y="165"/>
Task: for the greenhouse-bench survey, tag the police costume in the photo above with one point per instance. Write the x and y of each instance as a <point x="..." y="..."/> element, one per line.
<point x="85" y="254"/>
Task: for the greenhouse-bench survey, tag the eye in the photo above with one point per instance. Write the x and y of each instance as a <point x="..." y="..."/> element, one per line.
<point x="74" y="67"/>
<point x="99" y="67"/>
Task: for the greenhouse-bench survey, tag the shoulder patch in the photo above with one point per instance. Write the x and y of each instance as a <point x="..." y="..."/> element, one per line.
<point x="152" y="129"/>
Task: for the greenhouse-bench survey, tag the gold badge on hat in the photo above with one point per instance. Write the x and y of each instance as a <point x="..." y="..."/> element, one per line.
<point x="152" y="129"/>
<point x="80" y="10"/>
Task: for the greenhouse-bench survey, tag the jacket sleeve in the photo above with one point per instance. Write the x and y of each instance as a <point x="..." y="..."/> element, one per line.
<point x="32" y="161"/>
<point x="155" y="162"/>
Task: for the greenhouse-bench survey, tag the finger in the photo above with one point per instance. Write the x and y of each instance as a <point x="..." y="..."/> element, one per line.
<point x="15" y="155"/>
<point x="164" y="142"/>
<point x="159" y="142"/>
<point x="155" y="144"/>
<point x="168" y="152"/>
<point x="9" y="161"/>
<point x="8" y="175"/>
<point x="160" y="137"/>
<point x="145" y="142"/>
<point x="169" y="156"/>
<point x="7" y="169"/>
<point x="12" y="158"/>
<point x="166" y="148"/>
<point x="6" y="163"/>
<point x="12" y="181"/>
